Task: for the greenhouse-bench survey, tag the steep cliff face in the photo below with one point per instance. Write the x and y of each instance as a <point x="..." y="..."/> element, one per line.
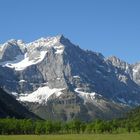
<point x="52" y="74"/>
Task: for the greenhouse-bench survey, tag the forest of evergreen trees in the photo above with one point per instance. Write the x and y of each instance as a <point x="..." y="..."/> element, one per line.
<point x="131" y="123"/>
<point x="38" y="127"/>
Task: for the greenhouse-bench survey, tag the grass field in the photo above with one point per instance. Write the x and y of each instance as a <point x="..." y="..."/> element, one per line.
<point x="132" y="136"/>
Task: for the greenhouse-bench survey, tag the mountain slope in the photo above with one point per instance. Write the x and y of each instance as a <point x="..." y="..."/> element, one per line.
<point x="70" y="106"/>
<point x="9" y="107"/>
<point x="56" y="78"/>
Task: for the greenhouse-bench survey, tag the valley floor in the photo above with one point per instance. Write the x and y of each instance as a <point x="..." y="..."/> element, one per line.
<point x="132" y="136"/>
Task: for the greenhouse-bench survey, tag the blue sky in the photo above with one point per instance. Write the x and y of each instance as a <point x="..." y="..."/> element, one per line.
<point x="111" y="27"/>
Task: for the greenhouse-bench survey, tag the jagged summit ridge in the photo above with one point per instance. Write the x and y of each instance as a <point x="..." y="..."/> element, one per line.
<point x="32" y="53"/>
<point x="48" y="41"/>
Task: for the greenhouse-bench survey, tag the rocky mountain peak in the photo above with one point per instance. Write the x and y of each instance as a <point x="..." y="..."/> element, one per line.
<point x="115" y="60"/>
<point x="11" y="49"/>
<point x="118" y="62"/>
<point x="53" y="71"/>
<point x="15" y="42"/>
<point x="48" y="41"/>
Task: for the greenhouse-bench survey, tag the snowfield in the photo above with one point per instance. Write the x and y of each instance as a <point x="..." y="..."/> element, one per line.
<point x="41" y="95"/>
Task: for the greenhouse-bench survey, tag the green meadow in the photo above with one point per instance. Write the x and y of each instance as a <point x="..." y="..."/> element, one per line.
<point x="131" y="136"/>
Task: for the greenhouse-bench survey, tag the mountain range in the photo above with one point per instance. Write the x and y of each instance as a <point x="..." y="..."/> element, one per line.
<point x="56" y="79"/>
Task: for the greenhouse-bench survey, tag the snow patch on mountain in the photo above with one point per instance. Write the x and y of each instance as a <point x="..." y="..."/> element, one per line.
<point x="23" y="62"/>
<point x="76" y="76"/>
<point x="41" y="95"/>
<point x="59" y="49"/>
<point x="94" y="98"/>
<point x="86" y="96"/>
<point x="135" y="70"/>
<point x="15" y="94"/>
<point x="22" y="81"/>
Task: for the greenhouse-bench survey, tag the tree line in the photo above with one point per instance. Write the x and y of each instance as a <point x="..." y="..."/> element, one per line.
<point x="38" y="127"/>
